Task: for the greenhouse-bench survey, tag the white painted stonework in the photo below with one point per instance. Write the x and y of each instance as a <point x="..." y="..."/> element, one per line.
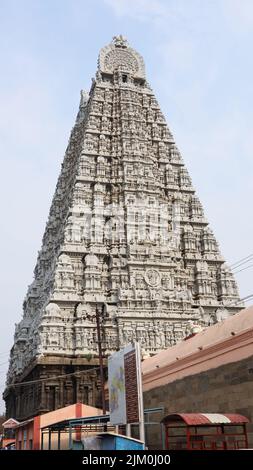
<point x="125" y="231"/>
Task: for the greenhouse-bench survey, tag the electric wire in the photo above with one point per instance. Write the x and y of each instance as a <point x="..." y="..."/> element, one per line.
<point x="242" y="259"/>
<point x="29" y="382"/>
<point x="247" y="267"/>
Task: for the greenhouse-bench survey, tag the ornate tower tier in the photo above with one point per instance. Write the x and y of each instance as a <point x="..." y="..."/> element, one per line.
<point x="127" y="235"/>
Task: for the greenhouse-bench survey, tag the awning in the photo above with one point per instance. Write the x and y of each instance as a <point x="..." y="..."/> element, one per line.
<point x="203" y="419"/>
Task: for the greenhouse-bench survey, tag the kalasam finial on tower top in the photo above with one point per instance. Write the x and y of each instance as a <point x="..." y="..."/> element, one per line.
<point x="118" y="56"/>
<point x="120" y="41"/>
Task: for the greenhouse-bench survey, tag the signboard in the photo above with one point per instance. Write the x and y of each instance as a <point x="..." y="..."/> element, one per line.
<point x="125" y="387"/>
<point x="131" y="387"/>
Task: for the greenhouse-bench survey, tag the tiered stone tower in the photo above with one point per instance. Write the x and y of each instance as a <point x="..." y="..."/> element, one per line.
<point x="126" y="234"/>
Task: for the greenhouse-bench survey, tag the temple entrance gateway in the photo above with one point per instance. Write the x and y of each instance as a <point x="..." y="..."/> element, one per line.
<point x="127" y="234"/>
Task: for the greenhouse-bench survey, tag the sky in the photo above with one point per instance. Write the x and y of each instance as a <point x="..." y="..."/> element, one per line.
<point x="199" y="63"/>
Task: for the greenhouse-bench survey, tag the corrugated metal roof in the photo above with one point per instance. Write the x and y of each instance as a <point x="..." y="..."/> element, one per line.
<point x="235" y="418"/>
<point x="217" y="418"/>
<point x="198" y="419"/>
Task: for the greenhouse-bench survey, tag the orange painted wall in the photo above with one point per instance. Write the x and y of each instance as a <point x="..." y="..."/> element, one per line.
<point x="24" y="436"/>
<point x="32" y="429"/>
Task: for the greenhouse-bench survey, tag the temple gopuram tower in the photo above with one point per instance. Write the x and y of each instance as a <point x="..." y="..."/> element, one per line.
<point x="126" y="237"/>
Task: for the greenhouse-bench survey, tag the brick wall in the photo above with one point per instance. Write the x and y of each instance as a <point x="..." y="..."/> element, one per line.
<point x="226" y="389"/>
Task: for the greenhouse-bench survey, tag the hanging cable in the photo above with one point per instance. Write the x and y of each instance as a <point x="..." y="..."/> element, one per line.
<point x="239" y="261"/>
<point x="237" y="265"/>
<point x="244" y="299"/>
<point x="241" y="264"/>
<point x="247" y="267"/>
<point x="21" y="384"/>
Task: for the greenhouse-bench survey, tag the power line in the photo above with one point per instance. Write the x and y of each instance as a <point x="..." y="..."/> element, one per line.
<point x="29" y="382"/>
<point x="239" y="261"/>
<point x="237" y="265"/>
<point x="247" y="267"/>
<point x="244" y="299"/>
<point x="242" y="263"/>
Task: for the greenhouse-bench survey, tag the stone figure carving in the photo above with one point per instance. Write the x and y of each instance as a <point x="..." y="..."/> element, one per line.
<point x="53" y="310"/>
<point x="221" y="314"/>
<point x="84" y="98"/>
<point x="73" y="230"/>
<point x="152" y="277"/>
<point x="192" y="328"/>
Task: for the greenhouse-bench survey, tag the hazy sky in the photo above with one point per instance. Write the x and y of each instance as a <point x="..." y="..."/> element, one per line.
<point x="199" y="62"/>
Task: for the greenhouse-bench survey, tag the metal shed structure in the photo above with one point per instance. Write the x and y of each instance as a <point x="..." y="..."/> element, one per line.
<point x="68" y="434"/>
<point x="205" y="431"/>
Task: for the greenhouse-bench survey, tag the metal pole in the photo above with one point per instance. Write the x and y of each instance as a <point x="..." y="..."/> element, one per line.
<point x="49" y="439"/>
<point x="59" y="439"/>
<point x="128" y="429"/>
<point x="70" y="436"/>
<point x="101" y="368"/>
